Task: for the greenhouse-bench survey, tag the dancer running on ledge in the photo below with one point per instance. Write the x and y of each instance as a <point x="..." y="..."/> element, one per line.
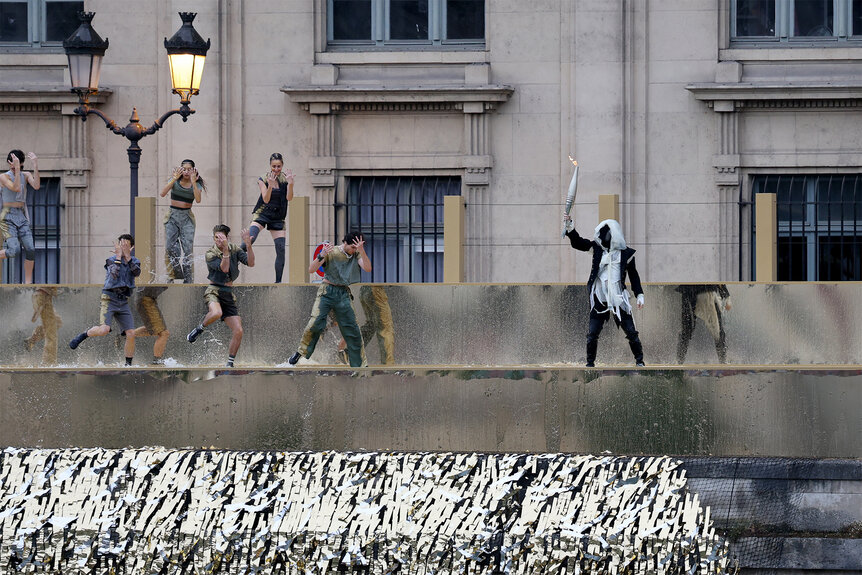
<point x="223" y="261"/>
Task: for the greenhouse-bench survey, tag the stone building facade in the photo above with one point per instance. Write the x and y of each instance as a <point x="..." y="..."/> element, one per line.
<point x="685" y="108"/>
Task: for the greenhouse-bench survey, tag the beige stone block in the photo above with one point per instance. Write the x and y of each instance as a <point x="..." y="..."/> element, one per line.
<point x="477" y="74"/>
<point x="439" y="134"/>
<point x="516" y="73"/>
<point x="675" y="138"/>
<point x="324" y="75"/>
<point x="728" y="72"/>
<point x="596" y="35"/>
<point x="539" y="98"/>
<point x="502" y="143"/>
<point x="519" y="37"/>
<point x="267" y="28"/>
<point x="536" y="143"/>
<point x="682" y="6"/>
<point x="293" y="7"/>
<point x="508" y="6"/>
<point x="682" y="71"/>
<point x="603" y="96"/>
<point x="598" y="146"/>
<point x="672" y="98"/>
<point x="363" y="134"/>
<point x="511" y="191"/>
<point x="269" y="101"/>
<point x="761" y="131"/>
<point x="689" y="40"/>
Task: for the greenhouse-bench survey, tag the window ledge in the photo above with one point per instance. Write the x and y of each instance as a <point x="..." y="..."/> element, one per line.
<point x="47" y="95"/>
<point x="489" y="94"/>
<point x="741" y="92"/>
<point x="430" y="55"/>
<point x="775" y="53"/>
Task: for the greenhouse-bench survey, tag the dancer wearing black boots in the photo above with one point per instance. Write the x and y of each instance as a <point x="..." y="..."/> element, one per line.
<point x="612" y="261"/>
<point x="276" y="190"/>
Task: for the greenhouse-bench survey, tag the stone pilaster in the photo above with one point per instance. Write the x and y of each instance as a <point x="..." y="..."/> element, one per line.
<point x="727" y="180"/>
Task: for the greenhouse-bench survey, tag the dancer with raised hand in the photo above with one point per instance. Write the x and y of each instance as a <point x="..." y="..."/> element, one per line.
<point x="612" y="261"/>
<point x="223" y="261"/>
<point x="121" y="269"/>
<point x="186" y="186"/>
<point x="341" y="265"/>
<point x="276" y="190"/>
<point x="14" y="218"/>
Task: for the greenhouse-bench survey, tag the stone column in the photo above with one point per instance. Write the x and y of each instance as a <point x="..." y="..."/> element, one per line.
<point x="475" y="190"/>
<point x="324" y="175"/>
<point x="728" y="181"/>
<point x="75" y="223"/>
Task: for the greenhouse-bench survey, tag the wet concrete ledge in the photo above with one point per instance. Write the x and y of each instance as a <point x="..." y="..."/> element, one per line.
<point x="743" y="411"/>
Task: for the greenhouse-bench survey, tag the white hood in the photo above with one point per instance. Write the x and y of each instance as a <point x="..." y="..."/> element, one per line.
<point x="618" y="241"/>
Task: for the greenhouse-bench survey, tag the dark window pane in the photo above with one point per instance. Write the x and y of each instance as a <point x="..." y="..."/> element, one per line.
<point x="61" y="20"/>
<point x="792" y="259"/>
<point x="813" y="17"/>
<point x="351" y="20"/>
<point x="819" y="225"/>
<point x="465" y="19"/>
<point x="402" y="221"/>
<point x="857" y="17"/>
<point x="408" y="19"/>
<point x="789" y="195"/>
<point x="755" y="18"/>
<point x="44" y="208"/>
<point x="13" y="22"/>
<point x="840" y="258"/>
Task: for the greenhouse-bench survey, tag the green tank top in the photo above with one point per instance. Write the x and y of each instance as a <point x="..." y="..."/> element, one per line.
<point x="340" y="268"/>
<point x="182" y="194"/>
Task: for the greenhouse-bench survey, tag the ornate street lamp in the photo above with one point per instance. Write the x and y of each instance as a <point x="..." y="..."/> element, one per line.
<point x="186" y="54"/>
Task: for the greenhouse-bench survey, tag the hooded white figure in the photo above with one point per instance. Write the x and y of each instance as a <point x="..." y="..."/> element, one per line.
<point x="613" y="260"/>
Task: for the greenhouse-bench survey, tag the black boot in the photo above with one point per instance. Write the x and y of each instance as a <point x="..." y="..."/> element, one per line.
<point x="592" y="349"/>
<point x="637" y="351"/>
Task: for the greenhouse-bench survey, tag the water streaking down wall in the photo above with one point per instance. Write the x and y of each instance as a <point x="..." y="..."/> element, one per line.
<point x="171" y="511"/>
<point x="455" y="325"/>
<point x="765" y="412"/>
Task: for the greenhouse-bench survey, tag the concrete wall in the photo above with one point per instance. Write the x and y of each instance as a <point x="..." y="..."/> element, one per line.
<point x="567" y="410"/>
<point x="470" y="325"/>
<point x="651" y="97"/>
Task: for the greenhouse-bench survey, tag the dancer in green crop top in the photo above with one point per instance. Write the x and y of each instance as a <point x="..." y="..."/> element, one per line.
<point x="186" y="187"/>
<point x="14" y="220"/>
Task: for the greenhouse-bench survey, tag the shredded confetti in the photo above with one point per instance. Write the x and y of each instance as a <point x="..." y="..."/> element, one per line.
<point x="205" y="511"/>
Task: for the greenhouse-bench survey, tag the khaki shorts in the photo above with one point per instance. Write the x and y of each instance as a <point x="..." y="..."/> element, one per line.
<point x="151" y="315"/>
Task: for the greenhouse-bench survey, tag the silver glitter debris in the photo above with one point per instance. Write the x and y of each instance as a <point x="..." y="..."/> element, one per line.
<point x="205" y="511"/>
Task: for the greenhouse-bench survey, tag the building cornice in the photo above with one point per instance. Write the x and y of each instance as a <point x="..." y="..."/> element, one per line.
<point x="790" y="95"/>
<point x="46" y="95"/>
<point x="382" y="97"/>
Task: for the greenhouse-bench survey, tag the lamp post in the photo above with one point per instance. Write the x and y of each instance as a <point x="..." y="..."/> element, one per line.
<point x="186" y="54"/>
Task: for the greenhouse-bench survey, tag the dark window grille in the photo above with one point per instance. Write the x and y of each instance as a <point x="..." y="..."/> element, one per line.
<point x="38" y="22"/>
<point x="819" y="225"/>
<point x="805" y="23"/>
<point x="405" y="23"/>
<point x="44" y="207"/>
<point x="402" y="221"/>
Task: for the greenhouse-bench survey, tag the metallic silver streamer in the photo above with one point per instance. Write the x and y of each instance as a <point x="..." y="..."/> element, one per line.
<point x="172" y="511"/>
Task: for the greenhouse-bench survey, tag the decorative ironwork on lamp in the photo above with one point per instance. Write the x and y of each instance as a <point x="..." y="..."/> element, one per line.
<point x="186" y="54"/>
